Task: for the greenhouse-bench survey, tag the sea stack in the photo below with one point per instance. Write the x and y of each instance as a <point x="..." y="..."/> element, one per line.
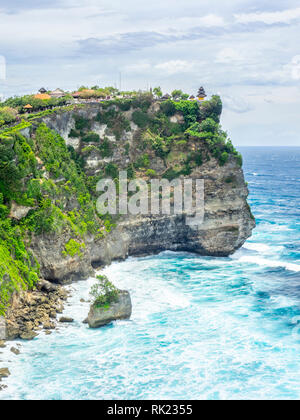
<point x="121" y="309"/>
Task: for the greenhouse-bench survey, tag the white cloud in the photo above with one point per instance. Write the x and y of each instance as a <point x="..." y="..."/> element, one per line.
<point x="285" y="16"/>
<point x="238" y="47"/>
<point x="2" y="68"/>
<point x="175" y="66"/>
<point x="294" y="67"/>
<point x="237" y="104"/>
<point x="228" y="55"/>
<point x="138" y="67"/>
<point x="288" y="73"/>
<point x="212" y="20"/>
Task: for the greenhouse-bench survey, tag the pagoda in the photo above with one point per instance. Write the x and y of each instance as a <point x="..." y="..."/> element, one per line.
<point x="201" y="94"/>
<point x="166" y="97"/>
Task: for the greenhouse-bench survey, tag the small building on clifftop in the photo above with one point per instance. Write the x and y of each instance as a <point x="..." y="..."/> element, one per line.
<point x="201" y="94"/>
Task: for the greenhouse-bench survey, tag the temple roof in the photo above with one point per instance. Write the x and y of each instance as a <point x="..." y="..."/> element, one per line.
<point x="57" y="91"/>
<point x="201" y="91"/>
<point x="42" y="96"/>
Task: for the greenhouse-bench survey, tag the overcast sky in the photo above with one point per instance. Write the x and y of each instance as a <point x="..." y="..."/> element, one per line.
<point x="246" y="51"/>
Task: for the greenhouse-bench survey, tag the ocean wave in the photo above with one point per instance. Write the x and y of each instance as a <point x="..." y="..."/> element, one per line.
<point x="263" y="248"/>
<point x="270" y="263"/>
<point x="257" y="247"/>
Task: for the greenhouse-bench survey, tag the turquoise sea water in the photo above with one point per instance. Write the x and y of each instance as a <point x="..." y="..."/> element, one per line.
<point x="202" y="328"/>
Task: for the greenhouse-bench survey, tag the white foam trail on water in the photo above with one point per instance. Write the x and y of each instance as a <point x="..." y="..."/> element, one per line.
<point x="270" y="263"/>
<point x="263" y="248"/>
<point x="257" y="247"/>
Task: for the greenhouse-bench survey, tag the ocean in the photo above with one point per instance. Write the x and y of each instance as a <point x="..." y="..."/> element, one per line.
<point x="201" y="328"/>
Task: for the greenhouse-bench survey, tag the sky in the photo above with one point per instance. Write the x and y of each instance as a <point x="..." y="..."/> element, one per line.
<point x="247" y="51"/>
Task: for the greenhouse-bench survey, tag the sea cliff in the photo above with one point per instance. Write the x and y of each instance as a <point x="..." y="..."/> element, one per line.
<point x="50" y="229"/>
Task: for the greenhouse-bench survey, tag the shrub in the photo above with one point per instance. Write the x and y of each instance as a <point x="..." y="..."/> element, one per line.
<point x="103" y="292"/>
<point x="73" y="133"/>
<point x="106" y="148"/>
<point x="112" y="170"/>
<point x="142" y="162"/>
<point x="212" y="108"/>
<point x="140" y="118"/>
<point x="124" y="105"/>
<point x="142" y="101"/>
<point x="130" y="172"/>
<point x="151" y="173"/>
<point x="3" y="211"/>
<point x="178" y="94"/>
<point x="209" y="125"/>
<point x="198" y="159"/>
<point x="223" y="158"/>
<point x="158" y="92"/>
<point x="127" y="149"/>
<point x="115" y="121"/>
<point x="88" y="149"/>
<point x="168" y="108"/>
<point x="73" y="248"/>
<point x="190" y="111"/>
<point x="91" y="137"/>
<point x="81" y="123"/>
<point x="7" y="115"/>
<point x="239" y="159"/>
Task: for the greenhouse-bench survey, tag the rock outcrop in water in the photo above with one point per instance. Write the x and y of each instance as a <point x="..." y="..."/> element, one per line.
<point x="121" y="309"/>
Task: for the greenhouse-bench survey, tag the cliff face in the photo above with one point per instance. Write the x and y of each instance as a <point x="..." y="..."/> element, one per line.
<point x="227" y="224"/>
<point x="228" y="221"/>
<point x="49" y="228"/>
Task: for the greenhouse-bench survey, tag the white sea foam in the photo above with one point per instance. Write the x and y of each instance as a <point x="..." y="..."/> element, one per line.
<point x="259" y="247"/>
<point x="263" y="248"/>
<point x="270" y="263"/>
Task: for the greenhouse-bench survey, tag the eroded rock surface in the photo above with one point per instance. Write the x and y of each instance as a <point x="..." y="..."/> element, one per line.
<point x="121" y="309"/>
<point x="228" y="221"/>
<point x="32" y="311"/>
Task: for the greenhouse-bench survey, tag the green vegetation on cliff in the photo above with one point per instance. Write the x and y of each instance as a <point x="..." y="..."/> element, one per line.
<point x="39" y="173"/>
<point x="103" y="293"/>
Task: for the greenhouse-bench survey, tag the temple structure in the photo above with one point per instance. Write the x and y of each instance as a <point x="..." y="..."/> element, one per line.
<point x="201" y="94"/>
<point x="42" y="96"/>
<point x="28" y="108"/>
<point x="166" y="97"/>
<point x="57" y="93"/>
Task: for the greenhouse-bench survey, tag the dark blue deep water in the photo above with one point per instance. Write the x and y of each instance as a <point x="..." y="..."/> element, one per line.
<point x="202" y="328"/>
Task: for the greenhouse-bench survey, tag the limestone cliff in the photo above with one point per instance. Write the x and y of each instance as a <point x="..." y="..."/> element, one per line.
<point x="57" y="159"/>
<point x="228" y="220"/>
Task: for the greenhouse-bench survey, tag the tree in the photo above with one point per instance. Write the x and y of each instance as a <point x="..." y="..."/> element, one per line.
<point x="157" y="91"/>
<point x="104" y="292"/>
<point x="7" y="115"/>
<point x="178" y="94"/>
<point x="212" y="108"/>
